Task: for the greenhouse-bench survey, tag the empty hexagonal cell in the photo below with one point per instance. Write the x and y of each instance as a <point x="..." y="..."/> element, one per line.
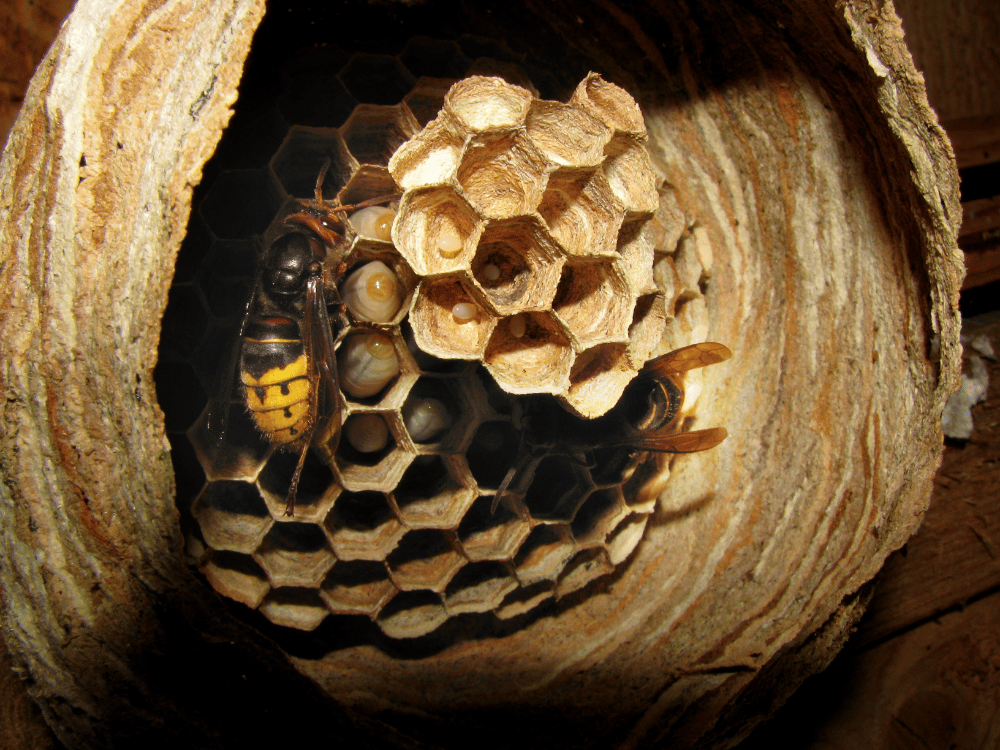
<point x="373" y="132"/>
<point x="359" y="587"/>
<point x="427" y="98"/>
<point x="362" y="526"/>
<point x="449" y="320"/>
<point x="502" y="176"/>
<point x="601" y="512"/>
<point x="649" y="319"/>
<point x="376" y="79"/>
<point x="517" y="265"/>
<point x="479" y="587"/>
<point x="610" y="104"/>
<point x="429" y="158"/>
<point x="491" y="453"/>
<point x="424" y="56"/>
<point x="523" y="600"/>
<point x="430" y="496"/>
<point x="236" y="576"/>
<point x="598" y="378"/>
<point x="312" y="94"/>
<point x="436" y="231"/>
<point x="595" y="302"/>
<point x="630" y="175"/>
<point x="582" y="213"/>
<point x="297" y="164"/>
<point x="626" y="537"/>
<point x="412" y="614"/>
<point x="586" y="566"/>
<point x="636" y="248"/>
<point x="295" y="554"/>
<point x="241" y="203"/>
<point x="232" y="516"/>
<point x="483" y="104"/>
<point x="302" y="609"/>
<point x="533" y="357"/>
<point x="491" y="535"/>
<point x="566" y="135"/>
<point x="237" y="451"/>
<point x="424" y="559"/>
<point x="544" y="554"/>
<point x="560" y="486"/>
<point x="315" y="493"/>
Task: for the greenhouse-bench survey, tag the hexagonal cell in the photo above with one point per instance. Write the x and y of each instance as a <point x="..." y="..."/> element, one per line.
<point x="427" y="98"/>
<point x="312" y="94"/>
<point x="373" y="132"/>
<point x="362" y="526"/>
<point x="295" y="554"/>
<point x="424" y="56"/>
<point x="442" y="323"/>
<point x="238" y="452"/>
<point x="223" y="295"/>
<point x="412" y="614"/>
<point x="511" y="72"/>
<point x="479" y="587"/>
<point x="369" y="182"/>
<point x="366" y="364"/>
<point x="488" y="535"/>
<point x="588" y="565"/>
<point x="626" y="537"/>
<point x="693" y="250"/>
<point x="424" y="559"/>
<point x="502" y="176"/>
<point x="301" y="609"/>
<point x="559" y="487"/>
<point x="544" y="554"/>
<point x="360" y="587"/>
<point x="598" y="379"/>
<point x="240" y="204"/>
<point x="236" y="576"/>
<point x="536" y="361"/>
<point x="316" y="491"/>
<point x="595" y="302"/>
<point x="598" y="516"/>
<point x="429" y="495"/>
<point x="517" y="265"/>
<point x="643" y="487"/>
<point x="613" y="467"/>
<point x="376" y="470"/>
<point x="691" y="317"/>
<point x="525" y="599"/>
<point x="232" y="516"/>
<point x="298" y="162"/>
<point x="483" y="104"/>
<point x="636" y="248"/>
<point x="610" y="104"/>
<point x="376" y="79"/>
<point x="630" y="175"/>
<point x="436" y="231"/>
<point x="426" y="363"/>
<point x="431" y="157"/>
<point x="582" y="212"/>
<point x="491" y="453"/>
<point x="438" y="414"/>
<point x="566" y="135"/>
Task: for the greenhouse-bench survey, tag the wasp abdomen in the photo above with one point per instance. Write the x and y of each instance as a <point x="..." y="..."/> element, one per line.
<point x="275" y="376"/>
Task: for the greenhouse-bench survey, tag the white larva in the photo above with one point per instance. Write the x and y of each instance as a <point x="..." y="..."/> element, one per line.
<point x="373" y="293"/>
<point x="366" y="363"/>
<point x="425" y="418"/>
<point x="463" y="312"/>
<point x="374" y="222"/>
<point x="367" y="433"/>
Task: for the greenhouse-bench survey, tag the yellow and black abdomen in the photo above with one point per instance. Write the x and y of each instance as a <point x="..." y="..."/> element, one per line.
<point x="274" y="371"/>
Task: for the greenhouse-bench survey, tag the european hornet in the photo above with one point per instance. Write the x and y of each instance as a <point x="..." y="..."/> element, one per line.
<point x="644" y="419"/>
<point x="284" y="349"/>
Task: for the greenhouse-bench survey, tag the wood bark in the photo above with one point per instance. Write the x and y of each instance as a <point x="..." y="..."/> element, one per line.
<point x="799" y="137"/>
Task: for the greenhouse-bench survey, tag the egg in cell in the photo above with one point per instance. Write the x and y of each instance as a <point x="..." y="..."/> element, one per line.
<point x="373" y="293"/>
<point x="366" y="363"/>
<point x="374" y="222"/>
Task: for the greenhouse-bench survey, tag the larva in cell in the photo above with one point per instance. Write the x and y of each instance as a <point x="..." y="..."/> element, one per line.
<point x="367" y="433"/>
<point x="366" y="364"/>
<point x="373" y="292"/>
<point x="425" y="418"/>
<point x="374" y="222"/>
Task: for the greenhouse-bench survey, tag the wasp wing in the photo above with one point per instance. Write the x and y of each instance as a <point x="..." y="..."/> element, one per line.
<point x="677" y="442"/>
<point x="688" y="358"/>
<point x="317" y="337"/>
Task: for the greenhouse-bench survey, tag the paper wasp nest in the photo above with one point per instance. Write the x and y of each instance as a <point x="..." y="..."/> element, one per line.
<point x="549" y="220"/>
<point x="530" y="211"/>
